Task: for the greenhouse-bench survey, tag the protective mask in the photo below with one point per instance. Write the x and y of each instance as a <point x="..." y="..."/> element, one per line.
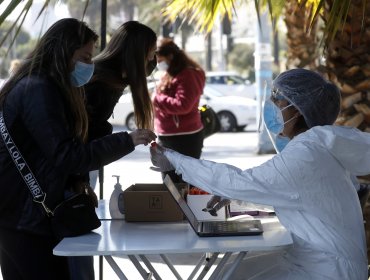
<point x="82" y="73"/>
<point x="273" y="117"/>
<point x="274" y="122"/>
<point x="162" y="66"/>
<point x="150" y="66"/>
<point x="280" y="142"/>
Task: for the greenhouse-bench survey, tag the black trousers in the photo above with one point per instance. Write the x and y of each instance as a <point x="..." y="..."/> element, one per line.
<point x="25" y="256"/>
<point x="189" y="145"/>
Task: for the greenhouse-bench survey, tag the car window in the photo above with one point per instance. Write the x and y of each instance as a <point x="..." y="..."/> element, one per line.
<point x="211" y="92"/>
<point x="218" y="80"/>
<point x="234" y="80"/>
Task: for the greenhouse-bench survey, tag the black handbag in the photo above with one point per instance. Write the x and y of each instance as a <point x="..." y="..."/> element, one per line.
<point x="210" y="120"/>
<point x="72" y="217"/>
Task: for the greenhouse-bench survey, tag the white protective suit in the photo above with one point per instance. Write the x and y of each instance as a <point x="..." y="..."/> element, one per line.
<point x="309" y="184"/>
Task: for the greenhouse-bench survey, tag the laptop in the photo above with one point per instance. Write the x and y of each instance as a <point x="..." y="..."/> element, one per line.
<point x="213" y="228"/>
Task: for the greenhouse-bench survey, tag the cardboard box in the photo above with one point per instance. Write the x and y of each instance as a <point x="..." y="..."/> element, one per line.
<point x="150" y="203"/>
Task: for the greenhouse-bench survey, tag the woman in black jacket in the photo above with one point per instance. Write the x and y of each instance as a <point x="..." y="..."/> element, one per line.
<point x="44" y="111"/>
<point x="128" y="58"/>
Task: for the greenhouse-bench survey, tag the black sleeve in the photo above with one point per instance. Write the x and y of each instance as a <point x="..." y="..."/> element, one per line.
<point x="100" y="102"/>
<point x="44" y="116"/>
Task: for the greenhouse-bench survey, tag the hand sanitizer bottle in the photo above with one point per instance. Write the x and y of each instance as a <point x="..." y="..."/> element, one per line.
<point x="116" y="201"/>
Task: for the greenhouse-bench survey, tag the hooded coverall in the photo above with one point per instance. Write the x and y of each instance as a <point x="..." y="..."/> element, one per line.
<point x="309" y="185"/>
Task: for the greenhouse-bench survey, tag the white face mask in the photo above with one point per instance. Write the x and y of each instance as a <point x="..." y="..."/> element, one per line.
<point x="162" y="66"/>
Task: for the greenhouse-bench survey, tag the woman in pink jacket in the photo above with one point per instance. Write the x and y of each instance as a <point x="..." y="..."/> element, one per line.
<point x="177" y="119"/>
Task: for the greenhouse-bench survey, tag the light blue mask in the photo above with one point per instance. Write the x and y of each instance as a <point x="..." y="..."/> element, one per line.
<point x="82" y="73"/>
<point x="281" y="142"/>
<point x="273" y="117"/>
<point x="274" y="122"/>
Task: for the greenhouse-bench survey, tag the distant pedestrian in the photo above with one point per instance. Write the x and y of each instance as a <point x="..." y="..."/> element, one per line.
<point x="177" y="119"/>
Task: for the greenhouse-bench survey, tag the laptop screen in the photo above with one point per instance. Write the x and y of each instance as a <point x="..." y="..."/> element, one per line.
<point x="181" y="201"/>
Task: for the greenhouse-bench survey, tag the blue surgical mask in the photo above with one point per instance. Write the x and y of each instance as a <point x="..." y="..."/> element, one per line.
<point x="273" y="117"/>
<point x="280" y="142"/>
<point x="274" y="122"/>
<point x="82" y="73"/>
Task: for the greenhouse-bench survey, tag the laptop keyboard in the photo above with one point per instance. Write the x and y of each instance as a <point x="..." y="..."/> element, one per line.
<point x="219" y="227"/>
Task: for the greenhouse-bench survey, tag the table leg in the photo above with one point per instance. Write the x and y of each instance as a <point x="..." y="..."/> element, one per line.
<point x="208" y="265"/>
<point x="170" y="266"/>
<point x="235" y="264"/>
<point x="220" y="266"/>
<point x="150" y="267"/>
<point x="196" y="268"/>
<point x="115" y="268"/>
<point x="138" y="266"/>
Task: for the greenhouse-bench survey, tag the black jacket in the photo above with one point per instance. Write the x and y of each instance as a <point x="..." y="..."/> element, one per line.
<point x="101" y="98"/>
<point x="36" y="116"/>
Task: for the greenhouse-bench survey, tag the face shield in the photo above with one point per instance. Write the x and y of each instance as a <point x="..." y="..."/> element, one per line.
<point x="272" y="117"/>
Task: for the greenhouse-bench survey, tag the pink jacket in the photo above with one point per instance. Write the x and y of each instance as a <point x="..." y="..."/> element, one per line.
<point x="176" y="107"/>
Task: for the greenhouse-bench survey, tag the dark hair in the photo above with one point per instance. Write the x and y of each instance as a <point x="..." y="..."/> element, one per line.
<point x="180" y="60"/>
<point x="127" y="52"/>
<point x="52" y="57"/>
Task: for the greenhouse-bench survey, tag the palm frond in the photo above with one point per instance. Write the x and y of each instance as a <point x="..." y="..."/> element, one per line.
<point x="19" y="21"/>
<point x="203" y="13"/>
<point x="9" y="9"/>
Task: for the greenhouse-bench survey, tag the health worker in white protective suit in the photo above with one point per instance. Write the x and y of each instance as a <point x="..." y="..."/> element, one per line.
<point x="308" y="182"/>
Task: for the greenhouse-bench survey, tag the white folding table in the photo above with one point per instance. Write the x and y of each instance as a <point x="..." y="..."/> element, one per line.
<point x="136" y="240"/>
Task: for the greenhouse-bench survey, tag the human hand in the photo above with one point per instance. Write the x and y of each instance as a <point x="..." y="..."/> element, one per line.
<point x="215" y="204"/>
<point x="142" y="136"/>
<point x="158" y="158"/>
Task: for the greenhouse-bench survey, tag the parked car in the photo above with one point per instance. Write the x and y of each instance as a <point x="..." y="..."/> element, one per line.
<point x="234" y="112"/>
<point x="230" y="83"/>
<point x="123" y="113"/>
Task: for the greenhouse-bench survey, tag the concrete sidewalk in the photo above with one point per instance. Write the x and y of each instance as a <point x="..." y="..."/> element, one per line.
<point x="233" y="148"/>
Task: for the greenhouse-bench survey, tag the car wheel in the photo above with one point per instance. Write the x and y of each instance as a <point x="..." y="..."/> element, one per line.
<point x="130" y="122"/>
<point x="227" y="121"/>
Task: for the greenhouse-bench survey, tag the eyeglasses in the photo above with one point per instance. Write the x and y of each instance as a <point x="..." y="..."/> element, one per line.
<point x="276" y="96"/>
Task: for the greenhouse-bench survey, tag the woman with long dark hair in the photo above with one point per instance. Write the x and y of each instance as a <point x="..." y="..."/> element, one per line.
<point x="127" y="60"/>
<point x="43" y="108"/>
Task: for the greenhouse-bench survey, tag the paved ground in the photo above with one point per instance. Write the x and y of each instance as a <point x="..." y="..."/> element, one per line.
<point x="238" y="149"/>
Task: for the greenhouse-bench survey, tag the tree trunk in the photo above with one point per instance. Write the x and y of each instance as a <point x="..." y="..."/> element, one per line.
<point x="348" y="65"/>
<point x="303" y="48"/>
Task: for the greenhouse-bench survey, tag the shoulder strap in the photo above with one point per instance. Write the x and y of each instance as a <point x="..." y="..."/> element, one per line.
<point x="26" y="173"/>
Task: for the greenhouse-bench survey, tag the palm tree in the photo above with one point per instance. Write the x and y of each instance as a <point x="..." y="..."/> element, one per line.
<point x="348" y="63"/>
<point x="345" y="41"/>
<point x="302" y="46"/>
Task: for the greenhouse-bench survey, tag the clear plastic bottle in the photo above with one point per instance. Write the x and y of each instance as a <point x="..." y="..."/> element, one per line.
<point x="116" y="209"/>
